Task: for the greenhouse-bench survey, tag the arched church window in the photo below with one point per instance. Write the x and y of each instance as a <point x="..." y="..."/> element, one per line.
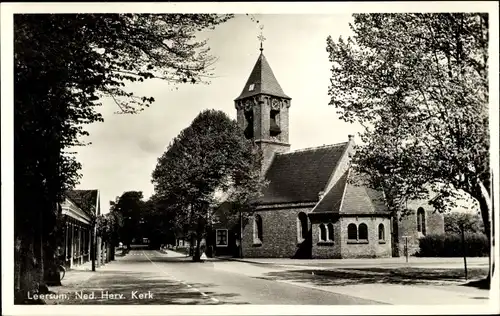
<point x="257" y="229"/>
<point x="302" y="226"/>
<point x="421" y="220"/>
<point x="352" y="232"/>
<point x="381" y="232"/>
<point x="330" y="231"/>
<point x="322" y="232"/>
<point x="363" y="231"/>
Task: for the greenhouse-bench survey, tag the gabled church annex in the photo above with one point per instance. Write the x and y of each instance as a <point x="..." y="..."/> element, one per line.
<point x="310" y="209"/>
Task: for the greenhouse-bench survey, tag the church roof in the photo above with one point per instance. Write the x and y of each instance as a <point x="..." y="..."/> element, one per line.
<point x="332" y="201"/>
<point x="348" y="197"/>
<point x="263" y="80"/>
<point x="360" y="199"/>
<point x="298" y="176"/>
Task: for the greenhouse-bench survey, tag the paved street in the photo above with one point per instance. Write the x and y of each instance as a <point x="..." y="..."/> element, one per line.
<point x="174" y="279"/>
<point x="153" y="277"/>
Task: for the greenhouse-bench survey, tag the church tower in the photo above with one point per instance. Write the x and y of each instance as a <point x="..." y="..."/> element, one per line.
<point x="262" y="111"/>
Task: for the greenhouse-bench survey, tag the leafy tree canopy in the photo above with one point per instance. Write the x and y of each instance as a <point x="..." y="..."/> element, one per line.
<point x="471" y="222"/>
<point x="418" y="83"/>
<point x="208" y="156"/>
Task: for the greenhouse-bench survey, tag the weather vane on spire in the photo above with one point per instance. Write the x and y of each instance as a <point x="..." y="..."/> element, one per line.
<point x="261" y="37"/>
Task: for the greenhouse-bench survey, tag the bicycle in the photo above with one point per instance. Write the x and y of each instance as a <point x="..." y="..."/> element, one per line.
<point x="61" y="270"/>
<point x="55" y="273"/>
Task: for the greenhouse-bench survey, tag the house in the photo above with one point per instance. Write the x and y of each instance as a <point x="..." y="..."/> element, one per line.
<point x="79" y="208"/>
<point x="311" y="208"/>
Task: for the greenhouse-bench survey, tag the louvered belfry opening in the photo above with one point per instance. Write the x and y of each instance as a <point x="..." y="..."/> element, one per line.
<point x="274" y="128"/>
<point x="249" y="129"/>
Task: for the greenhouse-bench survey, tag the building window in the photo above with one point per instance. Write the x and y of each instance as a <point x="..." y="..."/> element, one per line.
<point x="322" y="232"/>
<point x="421" y="221"/>
<point x="352" y="232"/>
<point x="363" y="231"/>
<point x="302" y="227"/>
<point x="381" y="232"/>
<point x="257" y="229"/>
<point x="221" y="235"/>
<point x="330" y="231"/>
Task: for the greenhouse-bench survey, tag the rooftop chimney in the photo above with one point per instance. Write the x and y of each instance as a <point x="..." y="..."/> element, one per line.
<point x="351" y="138"/>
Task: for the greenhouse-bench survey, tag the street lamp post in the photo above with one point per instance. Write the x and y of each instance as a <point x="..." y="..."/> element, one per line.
<point x="407" y="251"/>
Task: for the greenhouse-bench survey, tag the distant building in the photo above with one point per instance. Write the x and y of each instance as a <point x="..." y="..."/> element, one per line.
<point x="310" y="208"/>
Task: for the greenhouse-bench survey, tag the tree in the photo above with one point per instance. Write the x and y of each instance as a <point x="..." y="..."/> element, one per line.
<point x="64" y="65"/>
<point x="471" y="222"/>
<point x="418" y="83"/>
<point x="129" y="206"/>
<point x="208" y="156"/>
<point x="158" y="222"/>
<point x="108" y="226"/>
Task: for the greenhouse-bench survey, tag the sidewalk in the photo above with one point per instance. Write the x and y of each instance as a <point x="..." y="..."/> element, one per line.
<point x="414" y="262"/>
<point x="77" y="276"/>
<point x="376" y="290"/>
<point x="407" y="295"/>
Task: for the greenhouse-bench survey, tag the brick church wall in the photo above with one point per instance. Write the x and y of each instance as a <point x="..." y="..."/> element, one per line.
<point x="407" y="226"/>
<point x="326" y="250"/>
<point x="374" y="248"/>
<point x="261" y="126"/>
<point x="279" y="234"/>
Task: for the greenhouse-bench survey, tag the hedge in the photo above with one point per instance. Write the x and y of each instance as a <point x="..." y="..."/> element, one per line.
<point x="450" y="245"/>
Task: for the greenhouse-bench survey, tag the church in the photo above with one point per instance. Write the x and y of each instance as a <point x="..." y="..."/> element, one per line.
<point x="310" y="209"/>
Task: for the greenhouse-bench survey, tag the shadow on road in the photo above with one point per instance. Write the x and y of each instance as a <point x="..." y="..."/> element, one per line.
<point x="402" y="276"/>
<point x="161" y="291"/>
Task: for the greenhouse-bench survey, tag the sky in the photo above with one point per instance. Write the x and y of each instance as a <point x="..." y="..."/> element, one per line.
<point x="124" y="148"/>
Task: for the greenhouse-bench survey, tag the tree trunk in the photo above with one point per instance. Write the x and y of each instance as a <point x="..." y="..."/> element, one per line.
<point x="197" y="254"/>
<point x="483" y="197"/>
<point x="27" y="270"/>
<point x="98" y="255"/>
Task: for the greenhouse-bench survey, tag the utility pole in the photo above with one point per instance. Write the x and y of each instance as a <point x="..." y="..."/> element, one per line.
<point x="241" y="234"/>
<point x="93" y="242"/>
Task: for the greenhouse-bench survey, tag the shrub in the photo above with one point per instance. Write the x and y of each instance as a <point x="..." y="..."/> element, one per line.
<point x="450" y="245"/>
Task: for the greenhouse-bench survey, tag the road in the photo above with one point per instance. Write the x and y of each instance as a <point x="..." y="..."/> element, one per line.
<point x="152" y="277"/>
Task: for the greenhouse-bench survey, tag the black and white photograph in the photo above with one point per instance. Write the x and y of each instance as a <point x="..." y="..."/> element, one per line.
<point x="250" y="158"/>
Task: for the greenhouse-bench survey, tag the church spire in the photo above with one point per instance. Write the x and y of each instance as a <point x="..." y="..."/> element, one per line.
<point x="262" y="79"/>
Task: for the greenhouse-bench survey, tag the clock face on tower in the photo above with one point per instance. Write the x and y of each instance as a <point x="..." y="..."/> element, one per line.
<point x="275" y="104"/>
<point x="248" y="105"/>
